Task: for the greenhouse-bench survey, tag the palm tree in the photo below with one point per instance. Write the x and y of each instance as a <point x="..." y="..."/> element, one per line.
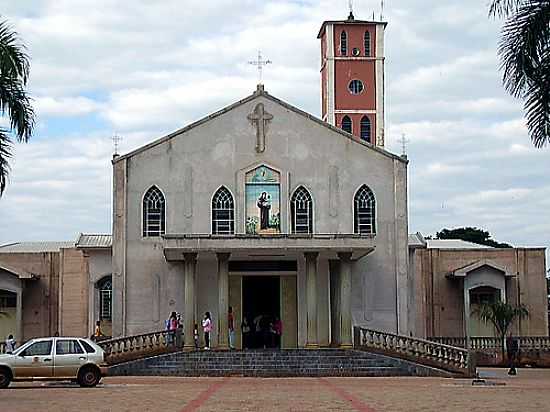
<point x="14" y="102"/>
<point x="525" y="60"/>
<point x="501" y="315"/>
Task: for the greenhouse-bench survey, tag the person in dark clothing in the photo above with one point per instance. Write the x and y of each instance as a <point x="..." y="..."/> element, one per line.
<point x="512" y="349"/>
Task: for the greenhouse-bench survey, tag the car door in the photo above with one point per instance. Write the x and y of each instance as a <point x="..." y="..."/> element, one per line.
<point x="35" y="361"/>
<point x="69" y="357"/>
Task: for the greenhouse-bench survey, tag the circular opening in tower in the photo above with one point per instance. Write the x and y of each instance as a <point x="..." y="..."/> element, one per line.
<point x="356" y="87"/>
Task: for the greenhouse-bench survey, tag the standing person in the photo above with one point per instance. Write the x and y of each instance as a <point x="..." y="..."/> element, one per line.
<point x="231" y="326"/>
<point x="245" y="329"/>
<point x="278" y="328"/>
<point x="173" y="326"/>
<point x="196" y="335"/>
<point x="10" y="344"/>
<point x="207" y="328"/>
<point x="97" y="331"/>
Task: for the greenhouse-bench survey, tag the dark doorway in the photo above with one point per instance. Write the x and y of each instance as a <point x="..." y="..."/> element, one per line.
<point x="261" y="307"/>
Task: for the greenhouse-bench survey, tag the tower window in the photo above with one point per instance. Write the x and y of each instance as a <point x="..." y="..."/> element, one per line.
<point x="367" y="43"/>
<point x="355" y="51"/>
<point x="356" y="87"/>
<point x="343" y="43"/>
<point x="347" y="126"/>
<point x="365" y="129"/>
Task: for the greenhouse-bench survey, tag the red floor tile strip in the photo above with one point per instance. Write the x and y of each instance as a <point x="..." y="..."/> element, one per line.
<point x="204" y="396"/>
<point x="357" y="404"/>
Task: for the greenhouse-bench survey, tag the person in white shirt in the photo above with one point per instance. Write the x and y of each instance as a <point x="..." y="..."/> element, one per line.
<point x="10" y="344"/>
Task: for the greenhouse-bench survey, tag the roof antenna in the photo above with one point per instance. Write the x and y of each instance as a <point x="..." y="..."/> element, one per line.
<point x="381" y="10"/>
<point x="350" y="5"/>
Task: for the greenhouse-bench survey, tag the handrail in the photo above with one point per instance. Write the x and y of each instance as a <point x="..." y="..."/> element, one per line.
<point x="446" y="357"/>
<point x="128" y="348"/>
<point x="526" y="343"/>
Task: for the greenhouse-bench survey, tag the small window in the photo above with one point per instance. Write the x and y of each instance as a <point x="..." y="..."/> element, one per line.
<point x="347" y="126"/>
<point x="365" y="129"/>
<point x="364" y="211"/>
<point x="154" y="213"/>
<point x="301" y="208"/>
<point x="42" y="348"/>
<point x="356" y="87"/>
<point x="87" y="347"/>
<point x="367" y="43"/>
<point x="223" y="213"/>
<point x="106" y="298"/>
<point x="355" y="51"/>
<point x="67" y="347"/>
<point x="343" y="43"/>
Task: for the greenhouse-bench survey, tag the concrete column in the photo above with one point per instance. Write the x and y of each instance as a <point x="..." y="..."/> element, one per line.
<point x="223" y="300"/>
<point x="345" y="300"/>
<point x="19" y="318"/>
<point x="312" y="341"/>
<point x="467" y="316"/>
<point x="189" y="315"/>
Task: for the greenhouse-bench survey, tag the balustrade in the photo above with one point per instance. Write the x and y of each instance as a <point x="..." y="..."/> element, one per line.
<point x="447" y="357"/>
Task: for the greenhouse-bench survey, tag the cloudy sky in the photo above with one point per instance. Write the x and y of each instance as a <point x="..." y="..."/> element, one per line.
<point x="142" y="69"/>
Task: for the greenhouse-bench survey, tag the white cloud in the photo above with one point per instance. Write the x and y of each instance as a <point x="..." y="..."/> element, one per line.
<point x="67" y="106"/>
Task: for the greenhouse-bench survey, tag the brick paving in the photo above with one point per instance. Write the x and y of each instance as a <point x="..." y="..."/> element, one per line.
<point x="529" y="391"/>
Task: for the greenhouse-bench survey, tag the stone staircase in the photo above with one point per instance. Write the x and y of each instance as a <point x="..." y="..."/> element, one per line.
<point x="274" y="363"/>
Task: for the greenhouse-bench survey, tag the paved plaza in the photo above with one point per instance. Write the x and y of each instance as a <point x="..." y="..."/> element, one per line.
<point x="529" y="391"/>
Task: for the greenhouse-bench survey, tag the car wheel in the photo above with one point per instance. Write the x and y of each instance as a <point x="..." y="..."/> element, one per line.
<point x="5" y="378"/>
<point x="88" y="377"/>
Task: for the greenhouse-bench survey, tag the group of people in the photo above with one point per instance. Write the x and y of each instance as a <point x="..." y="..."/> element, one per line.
<point x="265" y="332"/>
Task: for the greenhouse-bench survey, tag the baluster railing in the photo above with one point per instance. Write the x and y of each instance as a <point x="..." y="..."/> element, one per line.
<point x="429" y="352"/>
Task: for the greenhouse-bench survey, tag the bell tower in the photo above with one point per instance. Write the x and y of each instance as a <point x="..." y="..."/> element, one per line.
<point x="352" y="77"/>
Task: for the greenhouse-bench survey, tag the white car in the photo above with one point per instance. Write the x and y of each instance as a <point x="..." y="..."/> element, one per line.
<point x="57" y="358"/>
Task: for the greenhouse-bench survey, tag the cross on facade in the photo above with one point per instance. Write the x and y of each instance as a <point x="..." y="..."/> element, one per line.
<point x="260" y="63"/>
<point x="260" y="118"/>
<point x="116" y="141"/>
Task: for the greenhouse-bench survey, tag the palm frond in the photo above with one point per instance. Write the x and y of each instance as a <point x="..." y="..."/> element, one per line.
<point x="502" y="8"/>
<point x="14" y="61"/>
<point x="5" y="155"/>
<point x="537" y="108"/>
<point x="17" y="105"/>
<point x="501" y="315"/>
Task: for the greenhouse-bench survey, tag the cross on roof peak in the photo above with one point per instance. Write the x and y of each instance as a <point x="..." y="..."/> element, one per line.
<point x="260" y="63"/>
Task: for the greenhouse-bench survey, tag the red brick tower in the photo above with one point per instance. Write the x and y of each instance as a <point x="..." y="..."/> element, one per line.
<point x="352" y="77"/>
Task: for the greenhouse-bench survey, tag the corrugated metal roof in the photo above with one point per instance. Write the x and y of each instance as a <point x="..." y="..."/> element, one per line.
<point x="454" y="244"/>
<point x="416" y="240"/>
<point x="94" y="241"/>
<point x="35" y="247"/>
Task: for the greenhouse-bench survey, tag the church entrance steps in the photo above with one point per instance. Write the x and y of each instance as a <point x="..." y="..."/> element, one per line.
<point x="274" y="363"/>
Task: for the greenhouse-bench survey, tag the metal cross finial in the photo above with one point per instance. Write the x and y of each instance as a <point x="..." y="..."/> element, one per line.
<point x="116" y="142"/>
<point x="260" y="63"/>
<point x="403" y="142"/>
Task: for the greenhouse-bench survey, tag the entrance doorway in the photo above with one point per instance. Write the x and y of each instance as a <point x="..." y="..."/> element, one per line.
<point x="261" y="307"/>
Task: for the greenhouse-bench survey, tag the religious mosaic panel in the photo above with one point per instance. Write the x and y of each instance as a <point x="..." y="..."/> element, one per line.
<point x="263" y="214"/>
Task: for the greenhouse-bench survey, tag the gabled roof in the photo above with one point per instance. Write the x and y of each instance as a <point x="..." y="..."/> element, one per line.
<point x="454" y="244"/>
<point x="259" y="92"/>
<point x="348" y="21"/>
<point x="463" y="271"/>
<point x="34" y="247"/>
<point x="94" y="241"/>
<point x="20" y="273"/>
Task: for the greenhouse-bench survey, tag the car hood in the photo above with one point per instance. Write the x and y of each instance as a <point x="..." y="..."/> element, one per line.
<point x="5" y="357"/>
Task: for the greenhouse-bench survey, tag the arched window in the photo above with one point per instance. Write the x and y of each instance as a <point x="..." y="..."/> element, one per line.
<point x="105" y="287"/>
<point x="301" y="209"/>
<point x="343" y="43"/>
<point x="154" y="213"/>
<point x="367" y="43"/>
<point x="347" y="126"/>
<point x="365" y="129"/>
<point x="223" y="212"/>
<point x="364" y="212"/>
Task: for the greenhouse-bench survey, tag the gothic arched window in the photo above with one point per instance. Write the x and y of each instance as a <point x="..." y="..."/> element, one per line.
<point x="301" y="209"/>
<point x="343" y="43"/>
<point x="223" y="212"/>
<point x="154" y="213"/>
<point x="105" y="287"/>
<point x="364" y="210"/>
<point x="347" y="126"/>
<point x="365" y="129"/>
<point x="367" y="43"/>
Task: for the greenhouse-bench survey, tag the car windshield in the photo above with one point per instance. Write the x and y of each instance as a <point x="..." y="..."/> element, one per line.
<point x="23" y="347"/>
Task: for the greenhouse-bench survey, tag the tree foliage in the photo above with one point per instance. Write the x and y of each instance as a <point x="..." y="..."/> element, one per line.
<point x="524" y="51"/>
<point x="14" y="101"/>
<point x="471" y="234"/>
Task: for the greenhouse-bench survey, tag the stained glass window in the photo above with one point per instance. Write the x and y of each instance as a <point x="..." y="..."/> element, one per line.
<point x="365" y="129"/>
<point x="301" y="207"/>
<point x="223" y="212"/>
<point x="106" y="298"/>
<point x="154" y="213"/>
<point x="364" y="211"/>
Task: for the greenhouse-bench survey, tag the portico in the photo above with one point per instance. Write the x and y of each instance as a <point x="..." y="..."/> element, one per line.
<point x="310" y="249"/>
